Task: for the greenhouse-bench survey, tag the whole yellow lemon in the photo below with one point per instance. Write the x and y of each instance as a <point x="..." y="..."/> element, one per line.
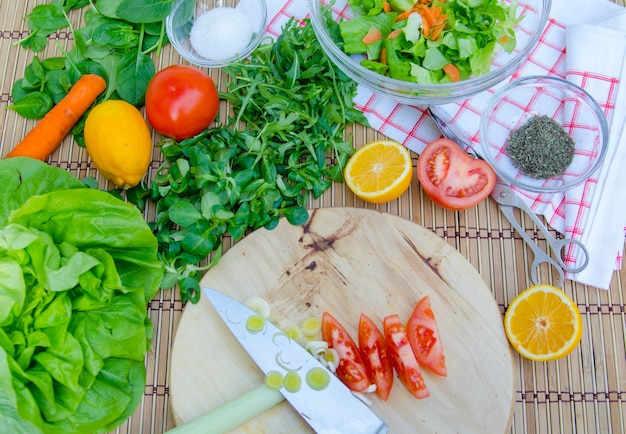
<point x="118" y="141"/>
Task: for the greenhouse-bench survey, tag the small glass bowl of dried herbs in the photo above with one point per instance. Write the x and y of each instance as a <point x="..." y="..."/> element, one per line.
<point x="543" y="134"/>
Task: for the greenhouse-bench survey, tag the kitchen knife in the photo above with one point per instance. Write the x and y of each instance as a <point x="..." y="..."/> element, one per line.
<point x="333" y="409"/>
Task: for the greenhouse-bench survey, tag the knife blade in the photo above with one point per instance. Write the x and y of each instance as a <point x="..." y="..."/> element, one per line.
<point x="334" y="409"/>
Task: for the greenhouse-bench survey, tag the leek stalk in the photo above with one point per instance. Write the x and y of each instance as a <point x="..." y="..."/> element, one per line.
<point x="232" y="414"/>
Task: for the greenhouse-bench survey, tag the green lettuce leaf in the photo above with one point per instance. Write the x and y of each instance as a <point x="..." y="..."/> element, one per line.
<point x="100" y="217"/>
<point x="22" y="178"/>
<point x="366" y="7"/>
<point x="77" y="267"/>
<point x="474" y="32"/>
<point x="10" y="420"/>
<point x="353" y="31"/>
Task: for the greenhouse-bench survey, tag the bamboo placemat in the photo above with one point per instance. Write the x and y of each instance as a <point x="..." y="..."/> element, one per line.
<point x="583" y="393"/>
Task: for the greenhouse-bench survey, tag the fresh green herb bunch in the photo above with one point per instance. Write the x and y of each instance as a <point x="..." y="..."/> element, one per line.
<point x="294" y="105"/>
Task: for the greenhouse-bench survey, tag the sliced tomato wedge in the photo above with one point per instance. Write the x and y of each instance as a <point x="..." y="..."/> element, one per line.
<point x="373" y="348"/>
<point x="423" y="334"/>
<point x="452" y="178"/>
<point x="402" y="357"/>
<point x="351" y="370"/>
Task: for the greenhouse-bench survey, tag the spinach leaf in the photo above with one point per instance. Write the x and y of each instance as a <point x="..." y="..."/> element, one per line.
<point x="108" y="8"/>
<point x="47" y="18"/>
<point x="57" y="84"/>
<point x="144" y="11"/>
<point x="34" y="74"/>
<point x="75" y="4"/>
<point x="119" y="50"/>
<point x="109" y="64"/>
<point x="18" y="90"/>
<point x="44" y="20"/>
<point x="115" y="34"/>
<point x="133" y="75"/>
<point x="33" y="105"/>
<point x="53" y="63"/>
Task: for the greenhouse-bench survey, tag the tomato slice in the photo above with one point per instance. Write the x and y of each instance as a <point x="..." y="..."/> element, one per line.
<point x="402" y="356"/>
<point x="373" y="348"/>
<point x="452" y="178"/>
<point x="423" y="334"/>
<point x="351" y="370"/>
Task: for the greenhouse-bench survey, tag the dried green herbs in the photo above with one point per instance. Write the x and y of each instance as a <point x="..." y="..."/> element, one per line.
<point x="541" y="148"/>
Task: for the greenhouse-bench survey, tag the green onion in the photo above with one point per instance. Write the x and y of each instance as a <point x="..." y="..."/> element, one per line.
<point x="274" y="380"/>
<point x="259" y="305"/>
<point x="294" y="332"/>
<point x="285" y="364"/>
<point x="326" y="356"/>
<point x="311" y="326"/>
<point x="255" y="323"/>
<point x="232" y="414"/>
<point x="317" y="378"/>
<point x="292" y="381"/>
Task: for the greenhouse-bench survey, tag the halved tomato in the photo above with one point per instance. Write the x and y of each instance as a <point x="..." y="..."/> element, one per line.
<point x="373" y="348"/>
<point x="351" y="370"/>
<point x="452" y="178"/>
<point x="403" y="358"/>
<point x="423" y="334"/>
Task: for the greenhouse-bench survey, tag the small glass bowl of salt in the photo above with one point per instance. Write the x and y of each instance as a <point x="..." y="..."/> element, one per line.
<point x="212" y="33"/>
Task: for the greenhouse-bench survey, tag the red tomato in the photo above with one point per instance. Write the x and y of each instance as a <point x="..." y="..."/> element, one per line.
<point x="351" y="370"/>
<point x="423" y="334"/>
<point x="375" y="356"/>
<point x="403" y="358"/>
<point x="181" y="101"/>
<point x="452" y="178"/>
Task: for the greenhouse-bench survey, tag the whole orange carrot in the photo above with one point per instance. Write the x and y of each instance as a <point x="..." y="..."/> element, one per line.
<point x="50" y="131"/>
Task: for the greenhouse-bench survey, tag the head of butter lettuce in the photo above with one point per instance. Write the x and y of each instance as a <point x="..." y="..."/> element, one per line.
<point x="77" y="268"/>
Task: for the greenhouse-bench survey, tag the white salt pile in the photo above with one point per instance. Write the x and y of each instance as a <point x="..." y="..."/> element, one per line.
<point x="221" y="33"/>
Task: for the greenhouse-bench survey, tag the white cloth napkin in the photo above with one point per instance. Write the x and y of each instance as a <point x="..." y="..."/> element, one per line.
<point x="598" y="49"/>
<point x="584" y="42"/>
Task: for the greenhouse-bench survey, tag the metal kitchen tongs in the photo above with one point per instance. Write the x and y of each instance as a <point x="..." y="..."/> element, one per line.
<point x="508" y="200"/>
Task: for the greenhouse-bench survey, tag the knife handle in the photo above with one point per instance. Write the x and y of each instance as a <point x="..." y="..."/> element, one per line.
<point x="233" y="413"/>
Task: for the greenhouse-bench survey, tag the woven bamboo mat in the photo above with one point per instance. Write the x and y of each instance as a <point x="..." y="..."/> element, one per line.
<point x="585" y="392"/>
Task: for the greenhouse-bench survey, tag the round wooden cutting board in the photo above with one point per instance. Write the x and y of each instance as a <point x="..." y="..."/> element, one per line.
<point x="348" y="261"/>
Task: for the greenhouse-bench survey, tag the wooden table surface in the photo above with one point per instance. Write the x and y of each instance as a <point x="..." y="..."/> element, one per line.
<point x="584" y="392"/>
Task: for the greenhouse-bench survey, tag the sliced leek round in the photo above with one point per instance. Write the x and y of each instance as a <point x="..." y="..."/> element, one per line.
<point x="259" y="305"/>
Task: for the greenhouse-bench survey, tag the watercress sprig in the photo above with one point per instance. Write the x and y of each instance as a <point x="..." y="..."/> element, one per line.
<point x="294" y="106"/>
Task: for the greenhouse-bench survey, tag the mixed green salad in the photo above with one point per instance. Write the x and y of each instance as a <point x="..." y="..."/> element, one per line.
<point x="77" y="268"/>
<point x="428" y="41"/>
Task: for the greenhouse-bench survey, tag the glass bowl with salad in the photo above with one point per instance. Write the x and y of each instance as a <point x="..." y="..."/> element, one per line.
<point x="543" y="134"/>
<point x="212" y="33"/>
<point x="427" y="52"/>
